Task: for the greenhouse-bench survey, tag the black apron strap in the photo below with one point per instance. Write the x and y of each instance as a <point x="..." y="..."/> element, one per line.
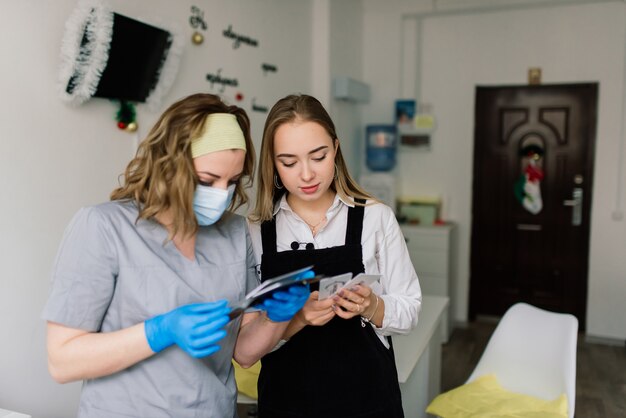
<point x="354" y="229"/>
<point x="268" y="236"/>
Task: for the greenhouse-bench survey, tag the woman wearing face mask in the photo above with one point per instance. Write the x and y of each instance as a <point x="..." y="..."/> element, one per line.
<point x="138" y="308"/>
<point x="336" y="359"/>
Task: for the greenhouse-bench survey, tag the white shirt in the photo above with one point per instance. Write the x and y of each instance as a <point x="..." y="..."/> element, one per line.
<point x="384" y="253"/>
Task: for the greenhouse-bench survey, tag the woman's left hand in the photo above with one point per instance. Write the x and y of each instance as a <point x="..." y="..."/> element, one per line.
<point x="357" y="301"/>
<point x="284" y="304"/>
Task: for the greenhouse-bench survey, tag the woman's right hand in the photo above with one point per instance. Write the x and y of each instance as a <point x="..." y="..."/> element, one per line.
<point x="195" y="328"/>
<point x="316" y="312"/>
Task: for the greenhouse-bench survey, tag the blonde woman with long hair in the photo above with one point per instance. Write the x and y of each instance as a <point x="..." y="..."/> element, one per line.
<point x="335" y="359"/>
<point x="141" y="284"/>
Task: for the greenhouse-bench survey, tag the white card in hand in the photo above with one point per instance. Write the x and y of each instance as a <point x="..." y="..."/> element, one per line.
<point x="330" y="285"/>
<point x="362" y="278"/>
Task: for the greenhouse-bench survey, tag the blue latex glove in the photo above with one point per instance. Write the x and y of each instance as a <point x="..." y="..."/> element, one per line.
<point x="284" y="304"/>
<point x="195" y="328"/>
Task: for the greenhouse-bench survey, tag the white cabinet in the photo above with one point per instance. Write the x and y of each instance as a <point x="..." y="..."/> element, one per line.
<point x="430" y="248"/>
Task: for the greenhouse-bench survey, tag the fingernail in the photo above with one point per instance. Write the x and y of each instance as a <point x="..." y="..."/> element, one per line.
<point x="340" y="293"/>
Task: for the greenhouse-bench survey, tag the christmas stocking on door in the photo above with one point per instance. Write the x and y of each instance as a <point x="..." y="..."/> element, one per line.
<point x="528" y="188"/>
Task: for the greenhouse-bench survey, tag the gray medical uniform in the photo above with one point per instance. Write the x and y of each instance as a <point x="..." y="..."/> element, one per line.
<point x="113" y="272"/>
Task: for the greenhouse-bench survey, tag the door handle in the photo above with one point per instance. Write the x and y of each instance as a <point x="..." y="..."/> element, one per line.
<point x="576" y="202"/>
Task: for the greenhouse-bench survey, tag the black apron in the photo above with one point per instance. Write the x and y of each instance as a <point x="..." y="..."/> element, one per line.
<point x="341" y="369"/>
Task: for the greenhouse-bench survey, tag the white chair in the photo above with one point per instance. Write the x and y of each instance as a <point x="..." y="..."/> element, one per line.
<point x="533" y="351"/>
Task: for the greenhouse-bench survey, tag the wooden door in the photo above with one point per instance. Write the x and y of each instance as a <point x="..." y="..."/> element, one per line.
<point x="519" y="253"/>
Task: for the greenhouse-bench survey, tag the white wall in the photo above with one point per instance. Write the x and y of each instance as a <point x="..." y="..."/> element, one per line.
<point x="337" y="51"/>
<point x="456" y="52"/>
<point x="55" y="159"/>
<point x="345" y="59"/>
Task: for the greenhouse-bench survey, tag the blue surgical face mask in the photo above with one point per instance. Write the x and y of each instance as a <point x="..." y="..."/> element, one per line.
<point x="209" y="203"/>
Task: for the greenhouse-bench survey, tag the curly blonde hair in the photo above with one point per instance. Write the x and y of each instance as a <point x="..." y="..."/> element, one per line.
<point x="308" y="109"/>
<point x="161" y="177"/>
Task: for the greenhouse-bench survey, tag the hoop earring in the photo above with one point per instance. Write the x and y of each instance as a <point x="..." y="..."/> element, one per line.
<point x="277" y="182"/>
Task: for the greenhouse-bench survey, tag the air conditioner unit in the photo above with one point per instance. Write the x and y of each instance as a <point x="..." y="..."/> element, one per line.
<point x="349" y="89"/>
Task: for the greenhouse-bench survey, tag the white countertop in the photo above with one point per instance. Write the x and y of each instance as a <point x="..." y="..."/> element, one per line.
<point x="409" y="348"/>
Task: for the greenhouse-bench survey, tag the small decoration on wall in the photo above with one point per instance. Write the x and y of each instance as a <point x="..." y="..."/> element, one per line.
<point x="217" y="78"/>
<point x="268" y="68"/>
<point x="126" y="116"/>
<point x="105" y="54"/>
<point x="405" y="111"/>
<point x="197" y="38"/>
<point x="239" y="97"/>
<point x="534" y="76"/>
<point x="196" y="20"/>
<point x="258" y="108"/>
<point x="239" y="39"/>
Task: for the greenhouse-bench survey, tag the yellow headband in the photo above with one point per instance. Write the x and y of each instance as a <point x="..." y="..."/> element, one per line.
<point x="221" y="131"/>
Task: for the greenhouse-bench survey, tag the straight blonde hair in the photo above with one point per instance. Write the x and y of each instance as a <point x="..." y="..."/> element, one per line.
<point x="306" y="109"/>
<point x="161" y="177"/>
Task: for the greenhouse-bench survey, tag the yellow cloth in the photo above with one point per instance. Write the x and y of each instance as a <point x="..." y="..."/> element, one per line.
<point x="246" y="379"/>
<point x="220" y="131"/>
<point x="485" y="398"/>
